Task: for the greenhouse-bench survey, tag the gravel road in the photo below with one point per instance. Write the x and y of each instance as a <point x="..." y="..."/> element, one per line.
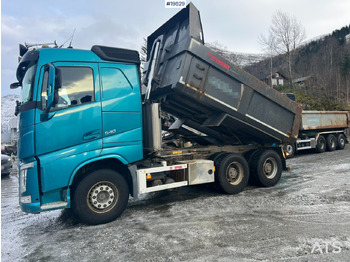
<point x="305" y="217"/>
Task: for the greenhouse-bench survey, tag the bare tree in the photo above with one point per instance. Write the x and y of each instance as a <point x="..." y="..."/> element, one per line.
<point x="285" y="35"/>
<point x="268" y="43"/>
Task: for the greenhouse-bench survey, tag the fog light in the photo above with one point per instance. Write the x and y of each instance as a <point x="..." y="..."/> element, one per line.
<point x="26" y="199"/>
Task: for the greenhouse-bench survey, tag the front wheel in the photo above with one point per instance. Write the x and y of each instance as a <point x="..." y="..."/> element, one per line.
<point x="100" y="197"/>
<point x="266" y="168"/>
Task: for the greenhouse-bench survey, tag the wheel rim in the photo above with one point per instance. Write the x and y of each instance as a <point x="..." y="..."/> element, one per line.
<point x="341" y="141"/>
<point x="322" y="144"/>
<point x="270" y="167"/>
<point x="333" y="145"/>
<point x="235" y="173"/>
<point x="102" y="197"/>
<point x="289" y="149"/>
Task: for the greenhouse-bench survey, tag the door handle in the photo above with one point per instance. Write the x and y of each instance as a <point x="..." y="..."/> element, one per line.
<point x="91" y="135"/>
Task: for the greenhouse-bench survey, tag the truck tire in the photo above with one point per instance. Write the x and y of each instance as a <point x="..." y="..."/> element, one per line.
<point x="320" y="144"/>
<point x="266" y="168"/>
<point x="331" y="142"/>
<point x="290" y="149"/>
<point x="232" y="173"/>
<point x="100" y="197"/>
<point x="341" y="141"/>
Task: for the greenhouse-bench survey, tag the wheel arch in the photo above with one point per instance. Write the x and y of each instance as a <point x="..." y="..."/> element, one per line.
<point x="113" y="162"/>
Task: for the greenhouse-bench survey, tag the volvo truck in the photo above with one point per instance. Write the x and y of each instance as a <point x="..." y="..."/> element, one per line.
<point x="92" y="133"/>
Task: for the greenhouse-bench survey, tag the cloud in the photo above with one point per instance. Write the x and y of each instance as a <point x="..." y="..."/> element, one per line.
<point x="90" y="30"/>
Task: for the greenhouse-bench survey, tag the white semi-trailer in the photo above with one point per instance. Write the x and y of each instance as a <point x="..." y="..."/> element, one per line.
<point x="321" y="131"/>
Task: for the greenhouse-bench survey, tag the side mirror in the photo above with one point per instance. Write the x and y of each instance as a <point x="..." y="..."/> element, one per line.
<point x="15" y="85"/>
<point x="53" y="84"/>
<point x="50" y="87"/>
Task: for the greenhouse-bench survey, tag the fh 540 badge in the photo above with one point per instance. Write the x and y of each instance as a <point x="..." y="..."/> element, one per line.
<point x="110" y="132"/>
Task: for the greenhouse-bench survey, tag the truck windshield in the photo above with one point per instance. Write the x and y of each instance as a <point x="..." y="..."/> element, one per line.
<point x="28" y="84"/>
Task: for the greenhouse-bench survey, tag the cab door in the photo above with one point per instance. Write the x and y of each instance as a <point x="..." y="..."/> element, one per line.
<point x="121" y="110"/>
<point x="73" y="124"/>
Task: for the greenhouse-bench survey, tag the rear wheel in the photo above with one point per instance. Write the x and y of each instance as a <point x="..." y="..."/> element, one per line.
<point x="340" y="141"/>
<point x="232" y="173"/>
<point x="266" y="168"/>
<point x="320" y="144"/>
<point x="331" y="142"/>
<point x="100" y="197"/>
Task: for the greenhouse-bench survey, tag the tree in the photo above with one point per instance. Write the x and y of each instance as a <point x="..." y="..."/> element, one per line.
<point x="268" y="43"/>
<point x="345" y="72"/>
<point x="285" y="35"/>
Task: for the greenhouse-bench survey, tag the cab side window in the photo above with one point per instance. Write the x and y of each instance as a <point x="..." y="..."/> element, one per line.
<point x="114" y="83"/>
<point x="77" y="87"/>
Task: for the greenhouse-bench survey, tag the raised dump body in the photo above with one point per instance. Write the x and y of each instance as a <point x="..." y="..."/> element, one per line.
<point x="211" y="94"/>
<point x="324" y="120"/>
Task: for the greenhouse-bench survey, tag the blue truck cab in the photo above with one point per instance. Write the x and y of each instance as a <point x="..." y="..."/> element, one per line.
<point x="79" y="109"/>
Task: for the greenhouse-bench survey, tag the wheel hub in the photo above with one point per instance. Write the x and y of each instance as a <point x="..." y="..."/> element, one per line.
<point x="289" y="149"/>
<point x="102" y="196"/>
<point x="270" y="168"/>
<point x="234" y="173"/>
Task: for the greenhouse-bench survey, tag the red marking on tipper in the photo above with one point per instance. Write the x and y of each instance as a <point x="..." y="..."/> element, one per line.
<point x="218" y="61"/>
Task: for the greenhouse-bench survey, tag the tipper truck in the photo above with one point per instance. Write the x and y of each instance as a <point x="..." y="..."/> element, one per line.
<point x="321" y="131"/>
<point x="92" y="133"/>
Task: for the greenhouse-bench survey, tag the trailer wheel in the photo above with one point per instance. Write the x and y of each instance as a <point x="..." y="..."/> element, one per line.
<point x="290" y="149"/>
<point x="340" y="141"/>
<point x="266" y="168"/>
<point x="320" y="144"/>
<point x="232" y="173"/>
<point x="331" y="142"/>
<point x="100" y="197"/>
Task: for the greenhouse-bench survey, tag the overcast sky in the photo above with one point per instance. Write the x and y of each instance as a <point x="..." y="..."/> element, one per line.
<point x="236" y="24"/>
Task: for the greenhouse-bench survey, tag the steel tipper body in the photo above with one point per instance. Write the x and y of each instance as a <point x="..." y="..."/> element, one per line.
<point x="208" y="92"/>
<point x="89" y="137"/>
<point x="321" y="131"/>
<point x="324" y="120"/>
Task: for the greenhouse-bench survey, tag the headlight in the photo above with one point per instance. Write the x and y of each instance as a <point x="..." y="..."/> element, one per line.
<point x="23" y="181"/>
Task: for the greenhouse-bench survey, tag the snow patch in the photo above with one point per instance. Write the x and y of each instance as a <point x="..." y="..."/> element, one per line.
<point x="8" y="104"/>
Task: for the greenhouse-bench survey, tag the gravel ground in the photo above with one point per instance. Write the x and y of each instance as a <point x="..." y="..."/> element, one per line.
<point x="305" y="217"/>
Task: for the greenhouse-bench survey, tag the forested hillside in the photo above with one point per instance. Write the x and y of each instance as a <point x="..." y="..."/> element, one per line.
<point x="326" y="63"/>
